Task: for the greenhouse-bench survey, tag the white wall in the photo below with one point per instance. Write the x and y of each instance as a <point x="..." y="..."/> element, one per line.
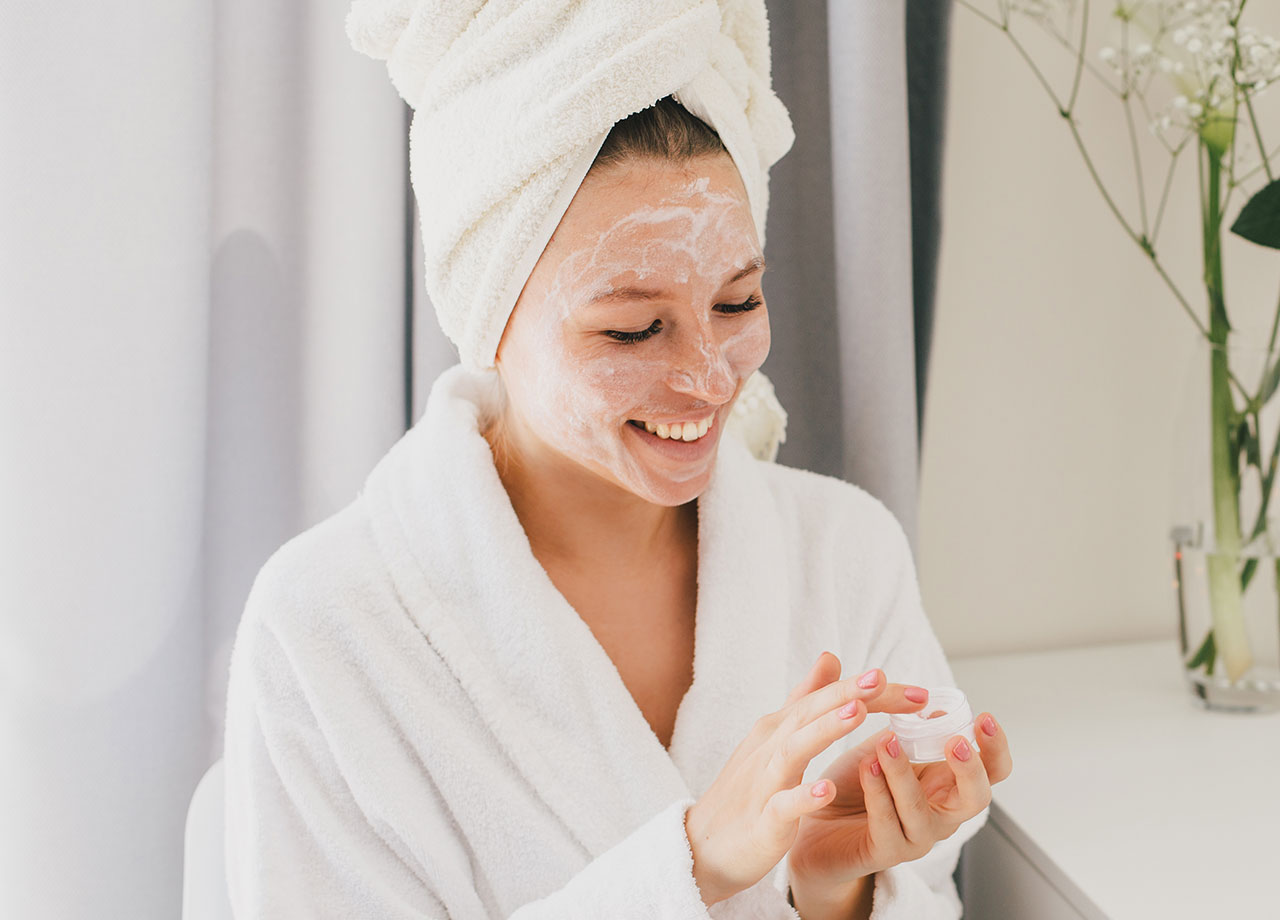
<point x="1057" y="364"/>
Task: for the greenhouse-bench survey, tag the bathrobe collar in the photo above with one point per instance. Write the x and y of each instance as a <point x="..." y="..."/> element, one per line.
<point x="537" y="676"/>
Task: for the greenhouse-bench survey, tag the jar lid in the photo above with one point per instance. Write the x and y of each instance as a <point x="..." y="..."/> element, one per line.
<point x="924" y="738"/>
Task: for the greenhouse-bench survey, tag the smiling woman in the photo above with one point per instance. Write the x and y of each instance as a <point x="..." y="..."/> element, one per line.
<point x="568" y="654"/>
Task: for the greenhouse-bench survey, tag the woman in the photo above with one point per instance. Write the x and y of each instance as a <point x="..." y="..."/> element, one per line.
<point x="539" y="668"/>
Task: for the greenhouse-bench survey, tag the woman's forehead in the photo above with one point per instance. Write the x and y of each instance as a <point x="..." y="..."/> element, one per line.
<point x="638" y="225"/>
<point x="651" y="199"/>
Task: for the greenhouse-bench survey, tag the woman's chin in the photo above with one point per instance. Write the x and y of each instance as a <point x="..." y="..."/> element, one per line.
<point x="670" y="473"/>
<point x="672" y="495"/>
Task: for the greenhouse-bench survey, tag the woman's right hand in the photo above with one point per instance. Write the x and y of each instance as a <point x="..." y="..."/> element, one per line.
<point x="748" y="819"/>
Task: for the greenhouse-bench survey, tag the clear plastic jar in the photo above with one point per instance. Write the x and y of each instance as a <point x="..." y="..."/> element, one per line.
<point x="924" y="738"/>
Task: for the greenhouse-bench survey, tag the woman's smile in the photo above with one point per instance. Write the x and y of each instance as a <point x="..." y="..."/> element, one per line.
<point x="680" y="449"/>
<point x="678" y="430"/>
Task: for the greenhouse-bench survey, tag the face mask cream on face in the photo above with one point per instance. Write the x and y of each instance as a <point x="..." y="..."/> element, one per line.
<point x="923" y="738"/>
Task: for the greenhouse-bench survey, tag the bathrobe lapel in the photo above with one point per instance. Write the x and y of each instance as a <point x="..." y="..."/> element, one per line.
<point x="535" y="673"/>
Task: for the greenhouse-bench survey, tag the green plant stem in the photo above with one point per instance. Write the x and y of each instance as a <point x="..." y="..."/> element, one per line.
<point x="1084" y="34"/>
<point x="1265" y="164"/>
<point x="1248" y="100"/>
<point x="1127" y="99"/>
<point x="1142" y="241"/>
<point x="1164" y="195"/>
<point x="1225" y="596"/>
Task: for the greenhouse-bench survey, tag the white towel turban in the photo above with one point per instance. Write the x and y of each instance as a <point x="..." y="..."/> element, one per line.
<point x="513" y="99"/>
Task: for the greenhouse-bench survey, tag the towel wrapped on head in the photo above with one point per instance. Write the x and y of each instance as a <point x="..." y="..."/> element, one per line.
<point x="512" y="101"/>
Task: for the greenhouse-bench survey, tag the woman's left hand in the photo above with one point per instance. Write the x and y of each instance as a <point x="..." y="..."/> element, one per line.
<point x="888" y="811"/>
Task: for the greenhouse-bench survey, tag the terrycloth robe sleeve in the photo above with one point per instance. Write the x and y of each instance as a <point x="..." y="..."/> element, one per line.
<point x="300" y="845"/>
<point x="907" y="649"/>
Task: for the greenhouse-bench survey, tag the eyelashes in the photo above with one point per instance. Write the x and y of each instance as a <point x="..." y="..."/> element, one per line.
<point x="745" y="307"/>
<point x="631" y="338"/>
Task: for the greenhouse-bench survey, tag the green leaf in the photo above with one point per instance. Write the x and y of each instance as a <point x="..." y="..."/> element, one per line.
<point x="1259" y="220"/>
<point x="1252" y="450"/>
<point x="1246" y="575"/>
<point x="1204" y="655"/>
<point x="1238" y="441"/>
<point x="1273" y="380"/>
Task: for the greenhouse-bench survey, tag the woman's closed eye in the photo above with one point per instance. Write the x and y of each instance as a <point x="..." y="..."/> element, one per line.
<point x="630" y="338"/>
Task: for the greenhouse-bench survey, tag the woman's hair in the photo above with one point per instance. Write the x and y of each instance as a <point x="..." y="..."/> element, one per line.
<point x="666" y="131"/>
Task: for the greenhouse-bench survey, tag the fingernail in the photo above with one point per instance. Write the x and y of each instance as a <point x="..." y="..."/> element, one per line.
<point x="875" y="768"/>
<point x="848" y="710"/>
<point x="892" y="746"/>
<point x="868" y="680"/>
<point x="961" y="750"/>
<point x="819" y="789"/>
<point x="916" y="694"/>
<point x="989" y="725"/>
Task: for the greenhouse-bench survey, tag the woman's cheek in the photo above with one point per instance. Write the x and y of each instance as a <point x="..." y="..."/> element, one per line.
<point x="747" y="348"/>
<point x="601" y="390"/>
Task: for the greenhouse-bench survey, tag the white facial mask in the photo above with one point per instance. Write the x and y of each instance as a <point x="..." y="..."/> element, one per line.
<point x="575" y="388"/>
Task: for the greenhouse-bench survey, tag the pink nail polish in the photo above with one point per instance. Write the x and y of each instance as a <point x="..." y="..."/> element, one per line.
<point x="961" y="750"/>
<point x="916" y="694"/>
<point x="868" y="680"/>
<point x="875" y="768"/>
<point x="819" y="789"/>
<point x="848" y="710"/>
<point x="892" y="746"/>
<point x="989" y="725"/>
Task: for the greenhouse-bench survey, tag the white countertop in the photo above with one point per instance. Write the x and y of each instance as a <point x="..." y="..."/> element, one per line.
<point x="1134" y="802"/>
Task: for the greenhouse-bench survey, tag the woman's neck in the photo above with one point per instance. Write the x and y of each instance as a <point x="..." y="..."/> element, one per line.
<point x="575" y="517"/>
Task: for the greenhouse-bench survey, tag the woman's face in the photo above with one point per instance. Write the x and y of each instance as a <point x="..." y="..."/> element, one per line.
<point x="644" y="311"/>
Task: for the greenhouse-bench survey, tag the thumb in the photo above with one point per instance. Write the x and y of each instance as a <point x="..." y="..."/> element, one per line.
<point x="824" y="671"/>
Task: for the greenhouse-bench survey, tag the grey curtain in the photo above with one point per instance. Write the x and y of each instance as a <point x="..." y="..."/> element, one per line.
<point x="853" y="236"/>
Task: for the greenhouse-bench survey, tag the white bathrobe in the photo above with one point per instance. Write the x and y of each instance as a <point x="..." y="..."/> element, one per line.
<point x="419" y="725"/>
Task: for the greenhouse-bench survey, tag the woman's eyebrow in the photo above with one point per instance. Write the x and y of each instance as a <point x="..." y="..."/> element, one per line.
<point x="614" y="295"/>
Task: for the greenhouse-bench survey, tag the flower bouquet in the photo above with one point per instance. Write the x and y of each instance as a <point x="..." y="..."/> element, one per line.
<point x="1191" y="72"/>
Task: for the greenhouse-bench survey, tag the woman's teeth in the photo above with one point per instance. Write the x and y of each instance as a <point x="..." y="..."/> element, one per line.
<point x="686" y="431"/>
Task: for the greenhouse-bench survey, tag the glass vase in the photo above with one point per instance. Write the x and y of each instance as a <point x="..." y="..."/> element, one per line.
<point x="1226" y="525"/>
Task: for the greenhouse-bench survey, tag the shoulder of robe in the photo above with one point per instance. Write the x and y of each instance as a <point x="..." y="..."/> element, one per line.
<point x="828" y="510"/>
<point x="324" y="582"/>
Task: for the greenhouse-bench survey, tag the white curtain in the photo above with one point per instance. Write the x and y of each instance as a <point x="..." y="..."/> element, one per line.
<point x="202" y="290"/>
<point x="205" y="346"/>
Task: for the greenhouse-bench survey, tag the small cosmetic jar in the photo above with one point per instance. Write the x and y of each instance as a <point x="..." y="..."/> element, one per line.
<point x="923" y="738"/>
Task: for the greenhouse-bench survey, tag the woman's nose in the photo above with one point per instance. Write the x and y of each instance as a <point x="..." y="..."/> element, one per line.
<point x="703" y="371"/>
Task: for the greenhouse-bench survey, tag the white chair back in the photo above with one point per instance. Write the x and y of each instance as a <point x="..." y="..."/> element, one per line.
<point x="204" y="880"/>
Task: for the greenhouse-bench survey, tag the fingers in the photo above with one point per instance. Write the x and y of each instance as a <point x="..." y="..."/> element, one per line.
<point x="824" y="671"/>
<point x="995" y="747"/>
<point x="973" y="788"/>
<point x="790" y="805"/>
<point x="900" y="698"/>
<point x="914" y="814"/>
<point x="882" y="816"/>
<point x="792" y="753"/>
<point x="832" y="696"/>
